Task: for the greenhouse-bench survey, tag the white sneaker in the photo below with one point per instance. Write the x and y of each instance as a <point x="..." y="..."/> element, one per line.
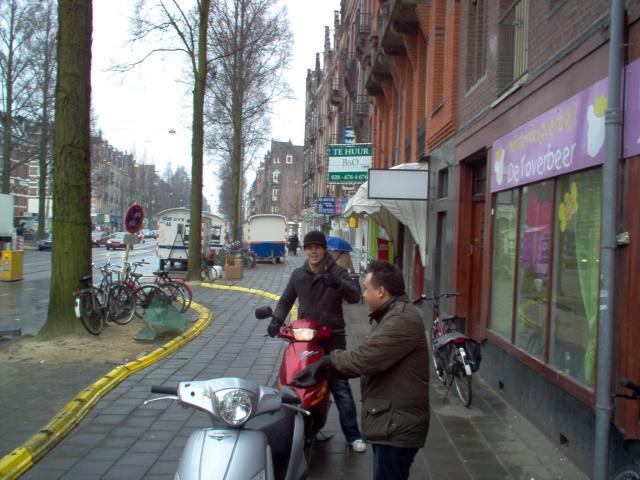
<point x="359" y="446"/>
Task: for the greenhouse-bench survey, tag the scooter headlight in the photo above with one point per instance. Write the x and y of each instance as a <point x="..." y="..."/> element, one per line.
<point x="303" y="334"/>
<point x="234" y="406"/>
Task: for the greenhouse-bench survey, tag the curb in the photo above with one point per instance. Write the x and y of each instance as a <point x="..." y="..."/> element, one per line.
<point x="262" y="293"/>
<point x="17" y="462"/>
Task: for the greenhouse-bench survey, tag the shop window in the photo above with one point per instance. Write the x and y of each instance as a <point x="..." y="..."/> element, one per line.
<point x="504" y="262"/>
<point x="546" y="253"/>
<point x="576" y="269"/>
<point x="536" y="213"/>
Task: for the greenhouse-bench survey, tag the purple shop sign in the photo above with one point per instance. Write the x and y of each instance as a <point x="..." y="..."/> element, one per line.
<point x="631" y="132"/>
<point x="567" y="138"/>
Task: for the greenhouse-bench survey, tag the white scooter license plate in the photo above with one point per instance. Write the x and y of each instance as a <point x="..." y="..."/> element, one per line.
<point x="76" y="307"/>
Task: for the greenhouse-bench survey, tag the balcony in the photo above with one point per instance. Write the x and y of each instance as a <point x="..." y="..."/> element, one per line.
<point x="397" y="17"/>
<point x="378" y="72"/>
<point x="335" y="98"/>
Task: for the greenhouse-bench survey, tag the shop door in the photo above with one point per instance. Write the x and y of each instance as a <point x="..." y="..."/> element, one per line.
<point x="476" y="251"/>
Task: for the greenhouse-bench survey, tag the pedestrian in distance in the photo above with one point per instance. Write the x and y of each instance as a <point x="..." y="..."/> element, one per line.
<point x="294" y="242"/>
<point x="320" y="286"/>
<point x="393" y="366"/>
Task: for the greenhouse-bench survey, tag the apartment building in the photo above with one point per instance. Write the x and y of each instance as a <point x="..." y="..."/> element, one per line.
<point x="504" y="102"/>
<point x="278" y="187"/>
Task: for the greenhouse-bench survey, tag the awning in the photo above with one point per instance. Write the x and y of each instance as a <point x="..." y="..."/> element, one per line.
<point x="411" y="213"/>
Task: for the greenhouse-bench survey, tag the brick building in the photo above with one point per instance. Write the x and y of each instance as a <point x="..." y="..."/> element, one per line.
<point x="504" y="102"/>
<point x="278" y="187"/>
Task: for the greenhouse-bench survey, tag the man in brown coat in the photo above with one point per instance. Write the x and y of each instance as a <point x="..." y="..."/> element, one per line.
<point x="393" y="363"/>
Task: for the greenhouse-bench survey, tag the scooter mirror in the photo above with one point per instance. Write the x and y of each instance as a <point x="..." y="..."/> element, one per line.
<point x="264" y="312"/>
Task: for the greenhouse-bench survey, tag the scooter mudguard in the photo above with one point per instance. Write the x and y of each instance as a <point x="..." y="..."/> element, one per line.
<point x="297" y="356"/>
<point x="230" y="454"/>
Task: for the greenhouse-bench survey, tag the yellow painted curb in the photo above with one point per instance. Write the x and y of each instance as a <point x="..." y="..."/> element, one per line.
<point x="262" y="293"/>
<point x="15" y="463"/>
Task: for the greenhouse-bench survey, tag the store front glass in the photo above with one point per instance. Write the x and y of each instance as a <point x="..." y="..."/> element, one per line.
<point x="550" y="264"/>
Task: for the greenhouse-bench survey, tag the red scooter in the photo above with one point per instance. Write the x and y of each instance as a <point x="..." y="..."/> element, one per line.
<point x="303" y="350"/>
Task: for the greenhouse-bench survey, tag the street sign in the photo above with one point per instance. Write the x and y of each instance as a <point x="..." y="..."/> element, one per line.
<point x="133" y="219"/>
<point x="326" y="205"/>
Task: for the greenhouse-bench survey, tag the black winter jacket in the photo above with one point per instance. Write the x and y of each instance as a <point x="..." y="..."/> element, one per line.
<point x="316" y="300"/>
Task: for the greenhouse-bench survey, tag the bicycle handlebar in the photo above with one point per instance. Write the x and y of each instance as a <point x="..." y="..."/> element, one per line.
<point x="165" y="390"/>
<point x="630" y="385"/>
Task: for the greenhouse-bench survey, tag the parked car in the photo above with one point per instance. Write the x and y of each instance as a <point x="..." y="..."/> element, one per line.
<point x="99" y="239"/>
<point x="149" y="233"/>
<point x="46" y="243"/>
<point x="116" y="241"/>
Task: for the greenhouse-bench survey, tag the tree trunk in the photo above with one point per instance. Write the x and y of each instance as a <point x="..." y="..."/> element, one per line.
<point x="71" y="251"/>
<point x="237" y="106"/>
<point x="197" y="146"/>
<point x="7" y="127"/>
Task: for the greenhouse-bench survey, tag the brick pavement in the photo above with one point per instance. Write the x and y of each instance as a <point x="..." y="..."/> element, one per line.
<point x="122" y="438"/>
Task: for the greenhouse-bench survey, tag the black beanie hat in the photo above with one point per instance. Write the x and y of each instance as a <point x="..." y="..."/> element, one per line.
<point x="315" y="238"/>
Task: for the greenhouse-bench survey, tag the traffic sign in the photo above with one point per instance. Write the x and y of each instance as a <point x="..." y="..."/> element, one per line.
<point x="133" y="219"/>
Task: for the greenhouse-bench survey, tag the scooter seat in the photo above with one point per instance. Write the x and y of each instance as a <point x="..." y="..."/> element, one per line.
<point x="278" y="427"/>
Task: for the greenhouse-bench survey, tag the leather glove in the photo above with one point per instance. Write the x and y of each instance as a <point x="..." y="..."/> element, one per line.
<point x="331" y="280"/>
<point x="314" y="373"/>
<point x="274" y="327"/>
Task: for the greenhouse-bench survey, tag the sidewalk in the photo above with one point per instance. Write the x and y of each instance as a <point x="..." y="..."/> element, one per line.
<point x="122" y="438"/>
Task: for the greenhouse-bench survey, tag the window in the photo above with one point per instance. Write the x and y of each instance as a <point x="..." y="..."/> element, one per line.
<point x="533" y="267"/>
<point x="275" y="194"/>
<point x="512" y="43"/>
<point x="576" y="266"/>
<point x="504" y="261"/>
<point x="289" y="159"/>
<point x="276" y="160"/>
<point x="476" y="41"/>
<point x="275" y="209"/>
<point x="546" y="254"/>
<point x="443" y="183"/>
<point x="276" y="176"/>
<point x="479" y="180"/>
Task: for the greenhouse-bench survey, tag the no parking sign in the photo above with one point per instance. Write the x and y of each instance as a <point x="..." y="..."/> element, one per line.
<point x="133" y="219"/>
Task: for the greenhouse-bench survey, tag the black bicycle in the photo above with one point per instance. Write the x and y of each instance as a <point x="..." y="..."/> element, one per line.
<point x="455" y="356"/>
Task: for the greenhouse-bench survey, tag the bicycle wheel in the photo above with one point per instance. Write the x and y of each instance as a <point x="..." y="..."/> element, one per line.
<point x="176" y="295"/>
<point x="463" y="387"/>
<point x="122" y="305"/>
<point x="91" y="313"/>
<point x="628" y="472"/>
<point x="144" y="296"/>
<point x="187" y="292"/>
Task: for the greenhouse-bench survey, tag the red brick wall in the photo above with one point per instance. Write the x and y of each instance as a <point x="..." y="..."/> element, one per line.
<point x="549" y="32"/>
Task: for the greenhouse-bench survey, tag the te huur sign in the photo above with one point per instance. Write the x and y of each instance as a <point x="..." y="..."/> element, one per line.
<point x="349" y="163"/>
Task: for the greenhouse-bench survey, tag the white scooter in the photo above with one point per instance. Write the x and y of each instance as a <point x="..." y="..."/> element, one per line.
<point x="257" y="434"/>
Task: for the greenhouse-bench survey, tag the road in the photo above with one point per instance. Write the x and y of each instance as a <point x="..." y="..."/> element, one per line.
<point x="23" y="304"/>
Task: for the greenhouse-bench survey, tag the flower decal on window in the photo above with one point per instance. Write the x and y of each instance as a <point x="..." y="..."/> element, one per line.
<point x="568" y="207"/>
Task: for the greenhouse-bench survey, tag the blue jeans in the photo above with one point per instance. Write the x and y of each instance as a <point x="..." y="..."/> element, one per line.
<point x="341" y="391"/>
<point x="392" y="463"/>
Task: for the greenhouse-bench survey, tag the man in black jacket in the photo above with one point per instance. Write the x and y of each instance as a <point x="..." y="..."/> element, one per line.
<point x="320" y="286"/>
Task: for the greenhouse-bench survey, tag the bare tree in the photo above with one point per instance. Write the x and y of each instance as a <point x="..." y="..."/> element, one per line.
<point x="175" y="29"/>
<point x="44" y="66"/>
<point x="252" y="40"/>
<point x="17" y="26"/>
<point x="71" y="252"/>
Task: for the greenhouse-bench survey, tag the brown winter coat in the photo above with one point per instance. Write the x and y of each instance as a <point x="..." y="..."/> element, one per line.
<point x="393" y="363"/>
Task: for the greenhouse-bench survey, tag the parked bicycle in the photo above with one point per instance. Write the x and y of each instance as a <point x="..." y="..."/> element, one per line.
<point x="237" y="249"/>
<point x="96" y="305"/>
<point x="174" y="288"/>
<point x="140" y="295"/>
<point x="631" y="471"/>
<point x="455" y="356"/>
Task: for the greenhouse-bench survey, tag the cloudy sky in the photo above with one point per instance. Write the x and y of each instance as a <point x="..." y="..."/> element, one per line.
<point x="140" y="111"/>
